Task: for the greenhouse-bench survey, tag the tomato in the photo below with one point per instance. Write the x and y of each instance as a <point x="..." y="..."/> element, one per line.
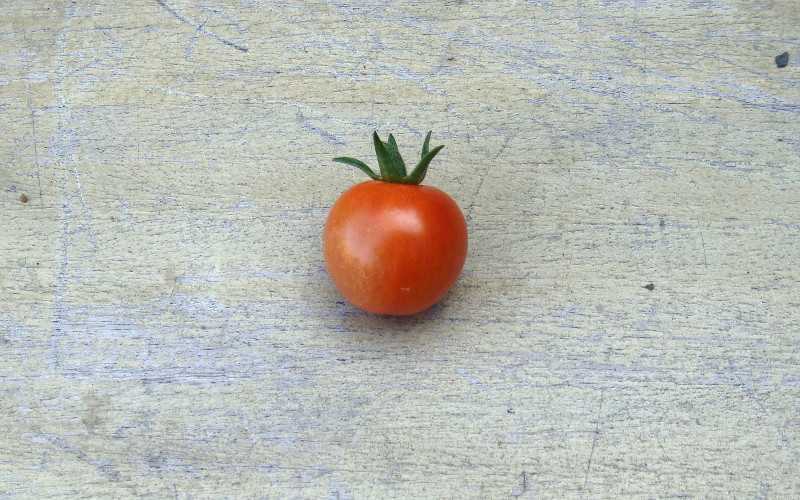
<point x="393" y="246"/>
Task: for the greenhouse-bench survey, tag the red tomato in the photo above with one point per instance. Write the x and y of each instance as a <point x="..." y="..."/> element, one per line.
<point x="392" y="247"/>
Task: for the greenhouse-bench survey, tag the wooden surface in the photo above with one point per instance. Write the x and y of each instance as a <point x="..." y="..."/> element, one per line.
<point x="167" y="327"/>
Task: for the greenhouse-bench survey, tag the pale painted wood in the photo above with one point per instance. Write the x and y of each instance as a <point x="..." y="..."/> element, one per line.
<point x="167" y="328"/>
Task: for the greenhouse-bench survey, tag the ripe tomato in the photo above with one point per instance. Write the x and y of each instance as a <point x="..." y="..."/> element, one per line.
<point x="393" y="246"/>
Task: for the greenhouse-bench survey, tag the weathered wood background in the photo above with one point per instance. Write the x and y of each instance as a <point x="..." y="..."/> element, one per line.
<point x="167" y="327"/>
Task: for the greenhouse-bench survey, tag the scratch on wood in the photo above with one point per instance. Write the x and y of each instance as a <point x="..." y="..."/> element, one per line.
<point x="324" y="134"/>
<point x="34" y="139"/>
<point x="594" y="438"/>
<point x="523" y="486"/>
<point x="85" y="210"/>
<point x="471" y="204"/>
<point x="200" y="27"/>
<point x="703" y="244"/>
<point x="58" y="318"/>
<point x="193" y="41"/>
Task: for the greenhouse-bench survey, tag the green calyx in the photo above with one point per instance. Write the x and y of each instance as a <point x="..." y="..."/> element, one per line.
<point x="392" y="166"/>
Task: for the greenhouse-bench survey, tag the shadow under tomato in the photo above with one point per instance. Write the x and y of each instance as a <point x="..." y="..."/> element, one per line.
<point x="364" y="327"/>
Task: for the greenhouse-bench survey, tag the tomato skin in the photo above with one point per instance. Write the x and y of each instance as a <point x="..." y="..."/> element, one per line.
<point x="394" y="248"/>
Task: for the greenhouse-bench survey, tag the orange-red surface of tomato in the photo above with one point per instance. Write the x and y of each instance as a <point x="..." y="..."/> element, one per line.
<point x="394" y="248"/>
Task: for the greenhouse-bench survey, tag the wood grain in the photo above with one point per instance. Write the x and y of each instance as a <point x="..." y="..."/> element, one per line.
<point x="627" y="323"/>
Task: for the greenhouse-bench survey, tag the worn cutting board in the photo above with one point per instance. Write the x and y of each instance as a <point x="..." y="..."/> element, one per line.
<point x="627" y="323"/>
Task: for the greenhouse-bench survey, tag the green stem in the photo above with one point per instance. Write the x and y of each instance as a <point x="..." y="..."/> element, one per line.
<point x="391" y="164"/>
